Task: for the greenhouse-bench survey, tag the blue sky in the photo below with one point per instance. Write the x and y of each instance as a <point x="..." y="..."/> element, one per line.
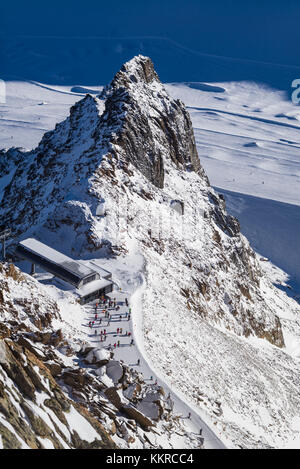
<point x="259" y="30"/>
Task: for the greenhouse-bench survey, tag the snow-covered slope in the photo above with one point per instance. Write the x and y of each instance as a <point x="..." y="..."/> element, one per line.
<point x="248" y="137"/>
<point x="251" y="131"/>
<point x="213" y="322"/>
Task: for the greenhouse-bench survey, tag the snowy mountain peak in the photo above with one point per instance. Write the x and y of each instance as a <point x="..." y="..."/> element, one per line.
<point x="164" y="132"/>
<point x="138" y="69"/>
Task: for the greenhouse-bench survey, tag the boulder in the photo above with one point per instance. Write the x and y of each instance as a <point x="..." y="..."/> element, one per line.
<point x="114" y="398"/>
<point x="138" y="416"/>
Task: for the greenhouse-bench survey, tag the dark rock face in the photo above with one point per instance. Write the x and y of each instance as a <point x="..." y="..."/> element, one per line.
<point x="28" y="375"/>
<point x="227" y="223"/>
<point x="138" y="416"/>
<point x="144" y="72"/>
<point x="154" y="127"/>
<point x="9" y="159"/>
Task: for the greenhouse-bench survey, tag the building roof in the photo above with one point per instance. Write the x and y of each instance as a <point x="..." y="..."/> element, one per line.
<point x="97" y="268"/>
<point x="92" y="287"/>
<point x="45" y="252"/>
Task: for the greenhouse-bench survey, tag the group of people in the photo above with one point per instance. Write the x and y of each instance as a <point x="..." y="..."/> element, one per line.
<point x="103" y="312"/>
<point x="112" y="304"/>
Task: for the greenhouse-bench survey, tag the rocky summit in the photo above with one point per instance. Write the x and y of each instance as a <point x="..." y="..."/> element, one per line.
<point x="211" y="316"/>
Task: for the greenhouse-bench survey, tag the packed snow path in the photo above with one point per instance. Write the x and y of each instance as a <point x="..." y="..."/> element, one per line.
<point x="128" y="351"/>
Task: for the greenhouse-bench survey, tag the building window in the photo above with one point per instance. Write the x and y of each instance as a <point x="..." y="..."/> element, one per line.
<point x="89" y="279"/>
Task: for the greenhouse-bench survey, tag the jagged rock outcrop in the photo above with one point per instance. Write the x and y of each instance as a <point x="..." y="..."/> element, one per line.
<point x="34" y="410"/>
<point x="164" y="125"/>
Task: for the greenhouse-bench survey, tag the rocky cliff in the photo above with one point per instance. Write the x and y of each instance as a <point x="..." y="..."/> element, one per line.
<point x="35" y="412"/>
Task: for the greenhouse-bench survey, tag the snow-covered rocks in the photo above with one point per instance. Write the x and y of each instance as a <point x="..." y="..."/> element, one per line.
<point x="46" y="399"/>
<point x="98" y="356"/>
<point x="114" y="371"/>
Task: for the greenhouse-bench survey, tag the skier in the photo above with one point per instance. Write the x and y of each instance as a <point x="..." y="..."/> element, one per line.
<point x="118" y="343"/>
<point x="189" y="416"/>
<point x="121" y="330"/>
<point x="126" y="301"/>
<point x="118" y="331"/>
<point x="95" y="331"/>
<point x="138" y="362"/>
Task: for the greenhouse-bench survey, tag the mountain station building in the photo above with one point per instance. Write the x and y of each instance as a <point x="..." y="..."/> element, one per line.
<point x="88" y="280"/>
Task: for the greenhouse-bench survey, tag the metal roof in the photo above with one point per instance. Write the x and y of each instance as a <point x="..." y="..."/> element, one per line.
<point x="92" y="287"/>
<point x="97" y="268"/>
<point x="55" y="257"/>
